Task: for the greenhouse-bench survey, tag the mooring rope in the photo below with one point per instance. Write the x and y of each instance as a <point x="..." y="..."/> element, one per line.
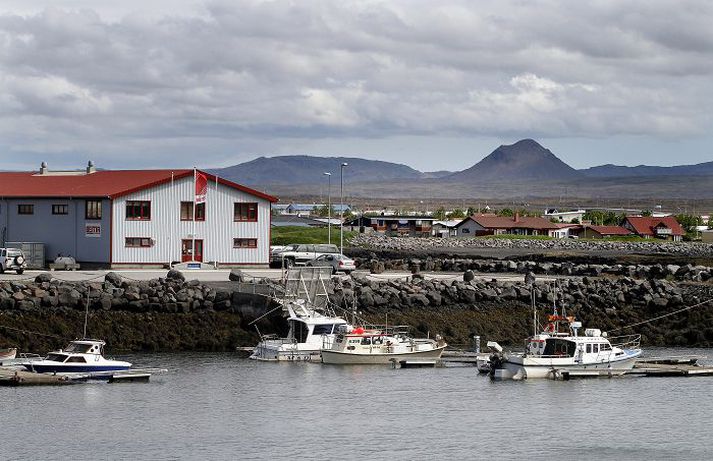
<point x="687" y="308"/>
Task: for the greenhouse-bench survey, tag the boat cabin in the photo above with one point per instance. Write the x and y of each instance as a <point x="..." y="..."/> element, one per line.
<point x="86" y="346"/>
<point x="301" y="329"/>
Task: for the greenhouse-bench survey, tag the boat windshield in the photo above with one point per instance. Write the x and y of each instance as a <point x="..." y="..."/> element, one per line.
<point x="56" y="357"/>
<point x="560" y="347"/>
<point x="78" y="348"/>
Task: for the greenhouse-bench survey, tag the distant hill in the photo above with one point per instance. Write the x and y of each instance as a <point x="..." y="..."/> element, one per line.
<point x="524" y="160"/>
<point x="305" y="169"/>
<point x="616" y="171"/>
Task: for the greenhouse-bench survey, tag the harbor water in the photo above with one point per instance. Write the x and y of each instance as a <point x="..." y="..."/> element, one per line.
<point x="222" y="406"/>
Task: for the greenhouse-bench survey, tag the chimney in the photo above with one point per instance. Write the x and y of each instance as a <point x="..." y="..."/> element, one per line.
<point x="90" y="167"/>
<point x="517" y="216"/>
<point x="43" y="168"/>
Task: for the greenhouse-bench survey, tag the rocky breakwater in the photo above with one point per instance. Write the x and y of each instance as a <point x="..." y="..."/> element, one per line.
<point x="169" y="313"/>
<point x="377" y="263"/>
<point x="460" y="309"/>
<point x="419" y="245"/>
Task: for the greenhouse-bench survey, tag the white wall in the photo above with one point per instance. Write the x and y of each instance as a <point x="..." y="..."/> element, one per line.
<point x="167" y="230"/>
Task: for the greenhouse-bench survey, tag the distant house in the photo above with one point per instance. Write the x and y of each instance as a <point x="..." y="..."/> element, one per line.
<point x="396" y="226"/>
<point x="649" y="227"/>
<point x="279" y="208"/>
<point x="600" y="232"/>
<point x="564" y="216"/>
<point x="445" y="228"/>
<point x="478" y="225"/>
<point x="306" y="209"/>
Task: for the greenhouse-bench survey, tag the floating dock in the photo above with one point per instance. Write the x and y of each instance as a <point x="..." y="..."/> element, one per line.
<point x="18" y="377"/>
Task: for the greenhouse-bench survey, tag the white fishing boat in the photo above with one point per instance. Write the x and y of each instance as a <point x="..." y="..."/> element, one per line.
<point x="560" y="349"/>
<point x="359" y="346"/>
<point x="8" y="354"/>
<point x="80" y="356"/>
<point x="310" y="319"/>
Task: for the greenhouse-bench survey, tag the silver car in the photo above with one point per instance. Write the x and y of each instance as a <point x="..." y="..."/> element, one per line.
<point x="338" y="262"/>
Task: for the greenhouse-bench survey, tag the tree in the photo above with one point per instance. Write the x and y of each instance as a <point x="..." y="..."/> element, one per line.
<point x="710" y="222"/>
<point x="574" y="221"/>
<point x="440" y="214"/>
<point x="471" y="211"/>
<point x="646" y="213"/>
<point x="457" y="213"/>
<point x="506" y="212"/>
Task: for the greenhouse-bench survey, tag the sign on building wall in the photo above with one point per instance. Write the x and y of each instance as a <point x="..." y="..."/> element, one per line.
<point x="93" y="230"/>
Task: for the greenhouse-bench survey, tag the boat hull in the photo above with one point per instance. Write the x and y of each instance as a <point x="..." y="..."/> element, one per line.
<point x="519" y="368"/>
<point x="350" y="358"/>
<point x="73" y="368"/>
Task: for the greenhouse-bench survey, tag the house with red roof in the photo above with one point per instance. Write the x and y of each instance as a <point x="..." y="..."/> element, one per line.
<point x="489" y="224"/>
<point x="650" y="227"/>
<point x="601" y="232"/>
<point x="136" y="217"/>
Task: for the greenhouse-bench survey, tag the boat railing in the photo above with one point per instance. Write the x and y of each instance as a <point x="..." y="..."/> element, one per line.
<point x="626" y="342"/>
<point x="276" y="339"/>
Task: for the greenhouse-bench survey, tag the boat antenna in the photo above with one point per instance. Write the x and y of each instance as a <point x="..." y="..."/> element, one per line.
<point x="86" y="312"/>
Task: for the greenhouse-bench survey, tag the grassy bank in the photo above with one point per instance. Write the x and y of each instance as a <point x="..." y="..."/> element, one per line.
<point x="284" y="235"/>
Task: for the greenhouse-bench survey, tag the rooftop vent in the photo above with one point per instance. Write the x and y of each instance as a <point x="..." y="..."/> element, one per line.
<point x="43" y="168"/>
<point x="90" y="167"/>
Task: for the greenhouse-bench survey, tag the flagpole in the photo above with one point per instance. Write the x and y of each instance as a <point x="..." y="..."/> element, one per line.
<point x="193" y="233"/>
<point x="170" y="229"/>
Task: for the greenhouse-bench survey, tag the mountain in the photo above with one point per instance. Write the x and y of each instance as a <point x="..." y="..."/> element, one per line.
<point x="524" y="160"/>
<point x="305" y="169"/>
<point x="616" y="171"/>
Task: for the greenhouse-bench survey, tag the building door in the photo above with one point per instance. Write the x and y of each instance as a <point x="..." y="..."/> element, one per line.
<point x="188" y="254"/>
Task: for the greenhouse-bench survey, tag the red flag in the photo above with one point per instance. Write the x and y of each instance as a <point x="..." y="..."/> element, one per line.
<point x="201" y="187"/>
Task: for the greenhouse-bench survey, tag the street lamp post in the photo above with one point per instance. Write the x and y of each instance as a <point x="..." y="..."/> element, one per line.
<point x="329" y="207"/>
<point x="341" y="207"/>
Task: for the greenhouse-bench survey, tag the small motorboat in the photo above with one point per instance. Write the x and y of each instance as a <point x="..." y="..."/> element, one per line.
<point x="80" y="356"/>
<point x="8" y="354"/>
<point x="359" y="346"/>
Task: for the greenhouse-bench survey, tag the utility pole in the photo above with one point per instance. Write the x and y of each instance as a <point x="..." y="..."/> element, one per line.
<point x="341" y="207"/>
<point x="329" y="207"/>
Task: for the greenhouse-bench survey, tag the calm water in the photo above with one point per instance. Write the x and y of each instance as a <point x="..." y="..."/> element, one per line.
<point x="220" y="406"/>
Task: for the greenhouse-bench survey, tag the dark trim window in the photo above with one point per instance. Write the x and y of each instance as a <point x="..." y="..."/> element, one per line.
<point x="25" y="209"/>
<point x="138" y="210"/>
<point x="60" y="209"/>
<point x="245" y="212"/>
<point x="93" y="209"/>
<point x="187" y="211"/>
<point x="138" y="242"/>
<point x="244" y="243"/>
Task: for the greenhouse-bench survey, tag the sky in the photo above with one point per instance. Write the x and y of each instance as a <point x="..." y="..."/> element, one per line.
<point x="434" y="85"/>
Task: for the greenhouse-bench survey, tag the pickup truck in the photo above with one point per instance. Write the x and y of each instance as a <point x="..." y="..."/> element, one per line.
<point x="299" y="254"/>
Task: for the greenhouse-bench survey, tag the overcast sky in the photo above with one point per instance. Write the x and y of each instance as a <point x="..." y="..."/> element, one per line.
<point x="435" y="85"/>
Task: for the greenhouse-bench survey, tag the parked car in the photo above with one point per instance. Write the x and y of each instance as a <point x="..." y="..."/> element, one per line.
<point x="298" y="254"/>
<point x="338" y="262"/>
<point x="12" y="259"/>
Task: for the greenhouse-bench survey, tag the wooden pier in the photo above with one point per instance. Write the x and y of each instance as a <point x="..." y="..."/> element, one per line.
<point x="18" y="377"/>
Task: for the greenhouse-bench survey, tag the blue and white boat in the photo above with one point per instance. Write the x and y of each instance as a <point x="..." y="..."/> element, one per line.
<point x="80" y="356"/>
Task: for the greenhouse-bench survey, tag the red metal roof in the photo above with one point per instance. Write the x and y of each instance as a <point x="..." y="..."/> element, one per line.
<point x="100" y="184"/>
<point x="644" y="225"/>
<point x="610" y="230"/>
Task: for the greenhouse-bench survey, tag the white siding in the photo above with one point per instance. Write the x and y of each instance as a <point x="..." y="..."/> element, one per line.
<point x="167" y="230"/>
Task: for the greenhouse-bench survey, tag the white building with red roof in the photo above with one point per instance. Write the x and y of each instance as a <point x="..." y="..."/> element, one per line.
<point x="136" y="217"/>
<point x="488" y="224"/>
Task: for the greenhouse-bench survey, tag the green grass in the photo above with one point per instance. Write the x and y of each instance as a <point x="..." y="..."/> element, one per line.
<point x="284" y="235"/>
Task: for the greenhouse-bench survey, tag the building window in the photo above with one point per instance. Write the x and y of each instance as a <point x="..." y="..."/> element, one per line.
<point x="138" y="242"/>
<point x="244" y="243"/>
<point x="25" y="209"/>
<point x="138" y="210"/>
<point x="93" y="209"/>
<point x="245" y="212"/>
<point x="187" y="211"/>
<point x="60" y="209"/>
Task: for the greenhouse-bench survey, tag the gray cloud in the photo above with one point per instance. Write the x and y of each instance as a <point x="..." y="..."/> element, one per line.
<point x="240" y="78"/>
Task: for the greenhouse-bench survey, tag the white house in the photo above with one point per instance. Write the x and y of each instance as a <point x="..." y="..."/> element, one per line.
<point x="136" y="217"/>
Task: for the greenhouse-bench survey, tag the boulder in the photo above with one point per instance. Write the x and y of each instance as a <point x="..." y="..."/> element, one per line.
<point x="468" y="276"/>
<point x="175" y="275"/>
<point x="236" y="275"/>
<point x="44" y="277"/>
<point x="113" y="278"/>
